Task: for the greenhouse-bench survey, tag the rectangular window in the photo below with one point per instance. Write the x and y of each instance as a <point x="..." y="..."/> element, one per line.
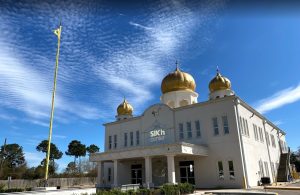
<point x="189" y="129"/>
<point x="267" y="138"/>
<point x="215" y="125"/>
<point x="225" y="124"/>
<point x="181" y="132"/>
<point x="221" y="170"/>
<point x="137" y="138"/>
<point x="198" y="130"/>
<point x="255" y="132"/>
<point x="272" y="169"/>
<point x="231" y="169"/>
<point x="244" y="126"/>
<point x="267" y="169"/>
<point x="273" y="141"/>
<point x="261" y="134"/>
<point x="109" y="175"/>
<point x="115" y="141"/>
<point x="261" y="168"/>
<point x="131" y="138"/>
<point x="109" y="142"/>
<point x="125" y="139"/>
<point x="247" y="128"/>
<point x="241" y="125"/>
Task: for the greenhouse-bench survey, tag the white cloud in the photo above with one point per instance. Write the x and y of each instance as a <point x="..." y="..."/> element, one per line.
<point x="279" y="99"/>
<point x="140" y="26"/>
<point x="59" y="136"/>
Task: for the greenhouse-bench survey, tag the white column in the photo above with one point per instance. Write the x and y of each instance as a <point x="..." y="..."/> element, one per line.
<point x="115" y="173"/>
<point x="99" y="174"/>
<point x="171" y="169"/>
<point x="148" y="170"/>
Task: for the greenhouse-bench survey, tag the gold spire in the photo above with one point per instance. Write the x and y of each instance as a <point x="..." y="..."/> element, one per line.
<point x="124" y="108"/>
<point x="219" y="82"/>
<point x="178" y="80"/>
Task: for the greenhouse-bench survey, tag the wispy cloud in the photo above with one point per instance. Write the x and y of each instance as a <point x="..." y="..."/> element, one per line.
<point x="59" y="136"/>
<point x="140" y="26"/>
<point x="279" y="99"/>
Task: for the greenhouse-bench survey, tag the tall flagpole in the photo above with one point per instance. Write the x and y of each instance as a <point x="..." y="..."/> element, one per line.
<point x="57" y="32"/>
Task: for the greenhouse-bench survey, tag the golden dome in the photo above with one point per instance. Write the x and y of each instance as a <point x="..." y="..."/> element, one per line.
<point x="219" y="82"/>
<point x="178" y="80"/>
<point x="125" y="108"/>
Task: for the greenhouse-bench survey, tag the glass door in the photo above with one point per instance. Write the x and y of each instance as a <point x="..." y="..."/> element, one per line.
<point x="136" y="174"/>
<point x="187" y="172"/>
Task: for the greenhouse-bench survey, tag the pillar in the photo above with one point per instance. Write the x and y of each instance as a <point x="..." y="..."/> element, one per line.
<point x="100" y="170"/>
<point x="171" y="169"/>
<point x="148" y="171"/>
<point x="115" y="173"/>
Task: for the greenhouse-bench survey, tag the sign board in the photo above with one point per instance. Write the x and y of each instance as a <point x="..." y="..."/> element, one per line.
<point x="157" y="135"/>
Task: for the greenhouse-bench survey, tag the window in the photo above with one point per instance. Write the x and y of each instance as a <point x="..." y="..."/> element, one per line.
<point x="189" y="129"/>
<point x="231" y="169"/>
<point x="115" y="141"/>
<point x="181" y="133"/>
<point x="198" y="130"/>
<point x="244" y="126"/>
<point x="255" y="132"/>
<point x="225" y="124"/>
<point x="109" y="142"/>
<point x="137" y="138"/>
<point x="125" y="139"/>
<point x="273" y="141"/>
<point x="267" y="169"/>
<point x="215" y="125"/>
<point x="267" y="138"/>
<point x="131" y="138"/>
<point x="272" y="169"/>
<point x="241" y="126"/>
<point x="109" y="175"/>
<point x="221" y="170"/>
<point x="261" y="168"/>
<point x="247" y="128"/>
<point x="261" y="134"/>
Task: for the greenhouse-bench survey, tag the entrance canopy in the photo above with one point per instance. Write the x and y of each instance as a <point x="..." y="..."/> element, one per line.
<point x="180" y="148"/>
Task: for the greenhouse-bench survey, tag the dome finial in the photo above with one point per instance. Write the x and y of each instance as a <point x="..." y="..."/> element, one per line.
<point x="177" y="65"/>
<point x="218" y="70"/>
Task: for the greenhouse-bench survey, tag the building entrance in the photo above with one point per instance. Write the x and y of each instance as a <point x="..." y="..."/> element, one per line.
<point x="136" y="174"/>
<point x="187" y="172"/>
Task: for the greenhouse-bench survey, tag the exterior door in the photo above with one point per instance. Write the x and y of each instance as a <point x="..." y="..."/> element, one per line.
<point x="187" y="172"/>
<point x="136" y="174"/>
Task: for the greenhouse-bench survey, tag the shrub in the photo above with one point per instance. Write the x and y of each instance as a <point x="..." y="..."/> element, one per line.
<point x="186" y="188"/>
<point x="170" y="189"/>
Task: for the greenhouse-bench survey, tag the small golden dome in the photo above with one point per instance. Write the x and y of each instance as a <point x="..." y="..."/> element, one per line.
<point x="178" y="80"/>
<point x="125" y="108"/>
<point x="219" y="82"/>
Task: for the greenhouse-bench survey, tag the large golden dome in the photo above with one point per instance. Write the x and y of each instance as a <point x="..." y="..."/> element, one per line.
<point x="125" y="108"/>
<point x="178" y="80"/>
<point x="219" y="82"/>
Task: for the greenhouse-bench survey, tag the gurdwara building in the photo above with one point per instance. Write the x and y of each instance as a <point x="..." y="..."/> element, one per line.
<point x="222" y="142"/>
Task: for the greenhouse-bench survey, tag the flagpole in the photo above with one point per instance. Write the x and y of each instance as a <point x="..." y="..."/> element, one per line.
<point x="58" y="33"/>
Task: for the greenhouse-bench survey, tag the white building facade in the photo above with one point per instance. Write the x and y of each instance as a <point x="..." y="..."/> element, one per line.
<point x="222" y="142"/>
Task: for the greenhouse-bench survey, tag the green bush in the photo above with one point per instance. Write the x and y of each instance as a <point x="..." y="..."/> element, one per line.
<point x="170" y="189"/>
<point x="11" y="190"/>
<point x="186" y="188"/>
<point x="2" y="186"/>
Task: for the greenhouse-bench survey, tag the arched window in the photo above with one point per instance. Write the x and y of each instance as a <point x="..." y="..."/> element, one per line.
<point x="171" y="104"/>
<point x="184" y="103"/>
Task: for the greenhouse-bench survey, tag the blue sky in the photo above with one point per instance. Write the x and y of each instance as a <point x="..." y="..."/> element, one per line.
<point x="112" y="50"/>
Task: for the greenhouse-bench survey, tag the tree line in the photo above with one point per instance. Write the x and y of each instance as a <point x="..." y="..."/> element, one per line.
<point x="13" y="163"/>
